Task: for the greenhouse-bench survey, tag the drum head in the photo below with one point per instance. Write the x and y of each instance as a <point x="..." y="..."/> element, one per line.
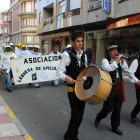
<point x="86" y="89"/>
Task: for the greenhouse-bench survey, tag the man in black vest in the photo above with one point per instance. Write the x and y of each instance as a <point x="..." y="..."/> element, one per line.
<point x="114" y="65"/>
<point x="74" y="62"/>
<point x="134" y="75"/>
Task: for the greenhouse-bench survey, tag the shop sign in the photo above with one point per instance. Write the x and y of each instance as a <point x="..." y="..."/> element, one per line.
<point x="60" y="38"/>
<point x="112" y="36"/>
<point x="106" y="6"/>
<point x="126" y="21"/>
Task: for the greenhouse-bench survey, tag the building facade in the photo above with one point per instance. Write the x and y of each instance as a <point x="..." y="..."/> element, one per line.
<point x="101" y="22"/>
<point x="22" y="22"/>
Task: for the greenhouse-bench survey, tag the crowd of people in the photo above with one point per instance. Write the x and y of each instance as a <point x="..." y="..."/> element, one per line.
<point x="73" y="61"/>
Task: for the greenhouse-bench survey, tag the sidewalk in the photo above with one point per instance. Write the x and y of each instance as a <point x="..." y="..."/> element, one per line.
<point x="10" y="127"/>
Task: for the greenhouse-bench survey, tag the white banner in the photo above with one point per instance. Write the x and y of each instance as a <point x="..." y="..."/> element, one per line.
<point x="35" y="69"/>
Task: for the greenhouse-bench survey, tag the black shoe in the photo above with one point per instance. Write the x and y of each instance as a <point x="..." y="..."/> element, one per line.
<point x="97" y="122"/>
<point x="30" y="84"/>
<point x="10" y="90"/>
<point x="133" y="120"/>
<point x="117" y="131"/>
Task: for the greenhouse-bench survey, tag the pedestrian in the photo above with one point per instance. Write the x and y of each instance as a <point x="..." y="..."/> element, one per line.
<point x="24" y="52"/>
<point x="134" y="75"/>
<point x="55" y="52"/>
<point x="5" y="62"/>
<point x="89" y="54"/>
<point x="18" y="49"/>
<point x="35" y="52"/>
<point x="69" y="47"/>
<point x="73" y="68"/>
<point x="113" y="65"/>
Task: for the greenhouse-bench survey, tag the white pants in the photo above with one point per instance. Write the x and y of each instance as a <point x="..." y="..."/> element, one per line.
<point x="36" y="84"/>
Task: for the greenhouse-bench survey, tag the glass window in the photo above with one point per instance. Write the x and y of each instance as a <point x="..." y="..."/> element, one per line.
<point x="24" y="39"/>
<point x="5" y="30"/>
<point x="24" y="22"/>
<point x="5" y="18"/>
<point x="28" y="21"/>
<point x="62" y="9"/>
<point x="29" y="39"/>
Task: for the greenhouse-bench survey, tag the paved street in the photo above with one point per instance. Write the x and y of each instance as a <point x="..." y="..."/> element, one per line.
<point x="45" y="113"/>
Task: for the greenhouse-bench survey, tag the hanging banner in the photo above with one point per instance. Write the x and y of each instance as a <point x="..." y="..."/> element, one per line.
<point x="35" y="69"/>
<point x="106" y="6"/>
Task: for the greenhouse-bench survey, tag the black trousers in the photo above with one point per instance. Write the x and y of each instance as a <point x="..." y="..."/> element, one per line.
<point x="136" y="109"/>
<point x="77" y="111"/>
<point x="114" y="104"/>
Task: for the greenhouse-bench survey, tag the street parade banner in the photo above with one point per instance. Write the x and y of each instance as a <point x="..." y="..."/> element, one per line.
<point x="35" y="69"/>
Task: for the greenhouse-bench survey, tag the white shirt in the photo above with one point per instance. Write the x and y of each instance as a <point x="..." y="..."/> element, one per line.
<point x="5" y="60"/>
<point x="52" y="53"/>
<point x="111" y="67"/>
<point x="24" y="53"/>
<point x="132" y="69"/>
<point x="65" y="61"/>
<point x="35" y="53"/>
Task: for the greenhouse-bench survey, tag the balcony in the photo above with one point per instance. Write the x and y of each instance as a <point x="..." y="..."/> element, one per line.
<point x="48" y="24"/>
<point x="9" y="19"/>
<point x="21" y="12"/>
<point x="95" y="5"/>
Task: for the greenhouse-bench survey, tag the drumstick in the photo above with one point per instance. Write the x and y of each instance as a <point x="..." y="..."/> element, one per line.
<point x="82" y="79"/>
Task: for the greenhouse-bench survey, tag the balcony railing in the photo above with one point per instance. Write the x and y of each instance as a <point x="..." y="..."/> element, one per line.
<point x="95" y="5"/>
<point x="21" y="12"/>
<point x="48" y="21"/>
<point x="9" y="19"/>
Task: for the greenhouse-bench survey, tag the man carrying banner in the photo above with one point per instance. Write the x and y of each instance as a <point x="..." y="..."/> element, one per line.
<point x="35" y="52"/>
<point x="55" y="52"/>
<point x="74" y="62"/>
<point x="24" y="52"/>
<point x="5" y="62"/>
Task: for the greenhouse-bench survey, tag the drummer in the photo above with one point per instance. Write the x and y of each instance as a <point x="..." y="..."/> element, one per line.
<point x="73" y="67"/>
<point x="113" y="65"/>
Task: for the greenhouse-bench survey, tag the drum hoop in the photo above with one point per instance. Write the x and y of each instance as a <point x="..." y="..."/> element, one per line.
<point x="110" y="84"/>
<point x="99" y="84"/>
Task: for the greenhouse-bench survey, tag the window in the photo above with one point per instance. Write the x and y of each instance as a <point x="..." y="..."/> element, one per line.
<point x="28" y="6"/>
<point x="36" y="39"/>
<point x="5" y="18"/>
<point x="29" y="22"/>
<point x="31" y="39"/>
<point x="75" y="12"/>
<point x="24" y="22"/>
<point x="5" y="29"/>
<point x="62" y="7"/>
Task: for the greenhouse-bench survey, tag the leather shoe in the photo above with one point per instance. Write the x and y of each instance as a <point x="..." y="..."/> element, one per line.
<point x="97" y="122"/>
<point x="10" y="90"/>
<point x="133" y="120"/>
<point x="117" y="131"/>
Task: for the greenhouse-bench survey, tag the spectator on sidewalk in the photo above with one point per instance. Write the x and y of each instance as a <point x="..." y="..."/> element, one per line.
<point x="89" y="54"/>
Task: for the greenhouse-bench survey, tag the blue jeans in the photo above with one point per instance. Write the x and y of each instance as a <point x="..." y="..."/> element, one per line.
<point x="9" y="79"/>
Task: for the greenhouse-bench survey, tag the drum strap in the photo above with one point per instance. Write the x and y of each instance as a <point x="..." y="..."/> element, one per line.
<point x="78" y="58"/>
<point x="70" y="89"/>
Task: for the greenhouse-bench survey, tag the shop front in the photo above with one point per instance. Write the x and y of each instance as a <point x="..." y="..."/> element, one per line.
<point x="126" y="37"/>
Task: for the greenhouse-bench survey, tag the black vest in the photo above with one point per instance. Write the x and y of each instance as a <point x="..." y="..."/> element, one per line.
<point x="113" y="74"/>
<point x="73" y="70"/>
<point x="137" y="73"/>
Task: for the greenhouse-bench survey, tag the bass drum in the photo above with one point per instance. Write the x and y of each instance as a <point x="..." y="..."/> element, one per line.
<point x="97" y="86"/>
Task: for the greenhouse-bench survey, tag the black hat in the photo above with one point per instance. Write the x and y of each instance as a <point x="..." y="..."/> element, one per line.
<point x="113" y="46"/>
